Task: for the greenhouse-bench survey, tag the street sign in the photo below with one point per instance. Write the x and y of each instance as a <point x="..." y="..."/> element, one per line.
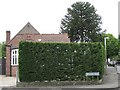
<point x="92" y="74"/>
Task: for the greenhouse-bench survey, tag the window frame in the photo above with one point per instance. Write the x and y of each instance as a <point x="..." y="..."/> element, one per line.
<point x="14" y="57"/>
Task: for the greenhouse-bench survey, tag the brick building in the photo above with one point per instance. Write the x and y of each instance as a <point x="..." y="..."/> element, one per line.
<point x="27" y="33"/>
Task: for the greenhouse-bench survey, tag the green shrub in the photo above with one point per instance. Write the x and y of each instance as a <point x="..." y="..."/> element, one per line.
<point x="59" y="61"/>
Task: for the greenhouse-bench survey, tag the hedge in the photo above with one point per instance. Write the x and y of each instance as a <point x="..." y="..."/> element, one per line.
<point x="59" y="61"/>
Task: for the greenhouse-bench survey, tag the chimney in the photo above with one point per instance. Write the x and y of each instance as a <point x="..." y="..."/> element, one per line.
<point x="7" y="36"/>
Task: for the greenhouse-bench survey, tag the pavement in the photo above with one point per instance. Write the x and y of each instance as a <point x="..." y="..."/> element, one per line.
<point x="7" y="81"/>
<point x="110" y="80"/>
<point x="111" y="77"/>
<point x="118" y="69"/>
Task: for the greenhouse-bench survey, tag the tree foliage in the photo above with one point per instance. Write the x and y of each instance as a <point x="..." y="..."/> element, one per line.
<point x="0" y="50"/>
<point x="59" y="61"/>
<point x="112" y="46"/>
<point x="82" y="23"/>
<point x="3" y="49"/>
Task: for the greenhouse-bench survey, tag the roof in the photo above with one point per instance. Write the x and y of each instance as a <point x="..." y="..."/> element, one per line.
<point x="29" y="33"/>
<point x="28" y="29"/>
<point x="54" y="38"/>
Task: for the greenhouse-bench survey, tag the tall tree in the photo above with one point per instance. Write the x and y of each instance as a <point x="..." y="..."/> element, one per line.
<point x="82" y="23"/>
<point x="112" y="46"/>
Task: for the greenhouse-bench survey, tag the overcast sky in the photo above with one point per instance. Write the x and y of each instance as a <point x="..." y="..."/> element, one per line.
<point x="46" y="15"/>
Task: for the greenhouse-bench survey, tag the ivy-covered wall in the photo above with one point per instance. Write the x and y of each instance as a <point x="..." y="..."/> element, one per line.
<point x="59" y="61"/>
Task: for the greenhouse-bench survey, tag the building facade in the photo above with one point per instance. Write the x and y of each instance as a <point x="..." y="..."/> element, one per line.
<point x="27" y="33"/>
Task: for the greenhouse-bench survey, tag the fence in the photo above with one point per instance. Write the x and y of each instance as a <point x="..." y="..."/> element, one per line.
<point x="2" y="66"/>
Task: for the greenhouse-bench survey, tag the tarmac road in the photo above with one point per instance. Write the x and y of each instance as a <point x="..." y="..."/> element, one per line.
<point x="60" y="89"/>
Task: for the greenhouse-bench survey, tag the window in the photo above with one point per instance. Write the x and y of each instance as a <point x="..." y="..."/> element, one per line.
<point x="14" y="57"/>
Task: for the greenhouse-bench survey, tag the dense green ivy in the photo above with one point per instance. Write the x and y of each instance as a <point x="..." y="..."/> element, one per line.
<point x="59" y="61"/>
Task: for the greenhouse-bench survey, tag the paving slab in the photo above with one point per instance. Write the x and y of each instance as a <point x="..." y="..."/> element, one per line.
<point x="7" y="81"/>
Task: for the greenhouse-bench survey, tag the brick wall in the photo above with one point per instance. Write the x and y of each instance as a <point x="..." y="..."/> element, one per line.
<point x="13" y="70"/>
<point x="7" y="61"/>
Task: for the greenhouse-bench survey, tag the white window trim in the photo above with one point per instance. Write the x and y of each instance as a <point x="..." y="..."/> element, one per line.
<point x="13" y="55"/>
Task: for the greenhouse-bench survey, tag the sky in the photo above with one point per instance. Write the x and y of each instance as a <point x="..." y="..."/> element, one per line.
<point x="46" y="15"/>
